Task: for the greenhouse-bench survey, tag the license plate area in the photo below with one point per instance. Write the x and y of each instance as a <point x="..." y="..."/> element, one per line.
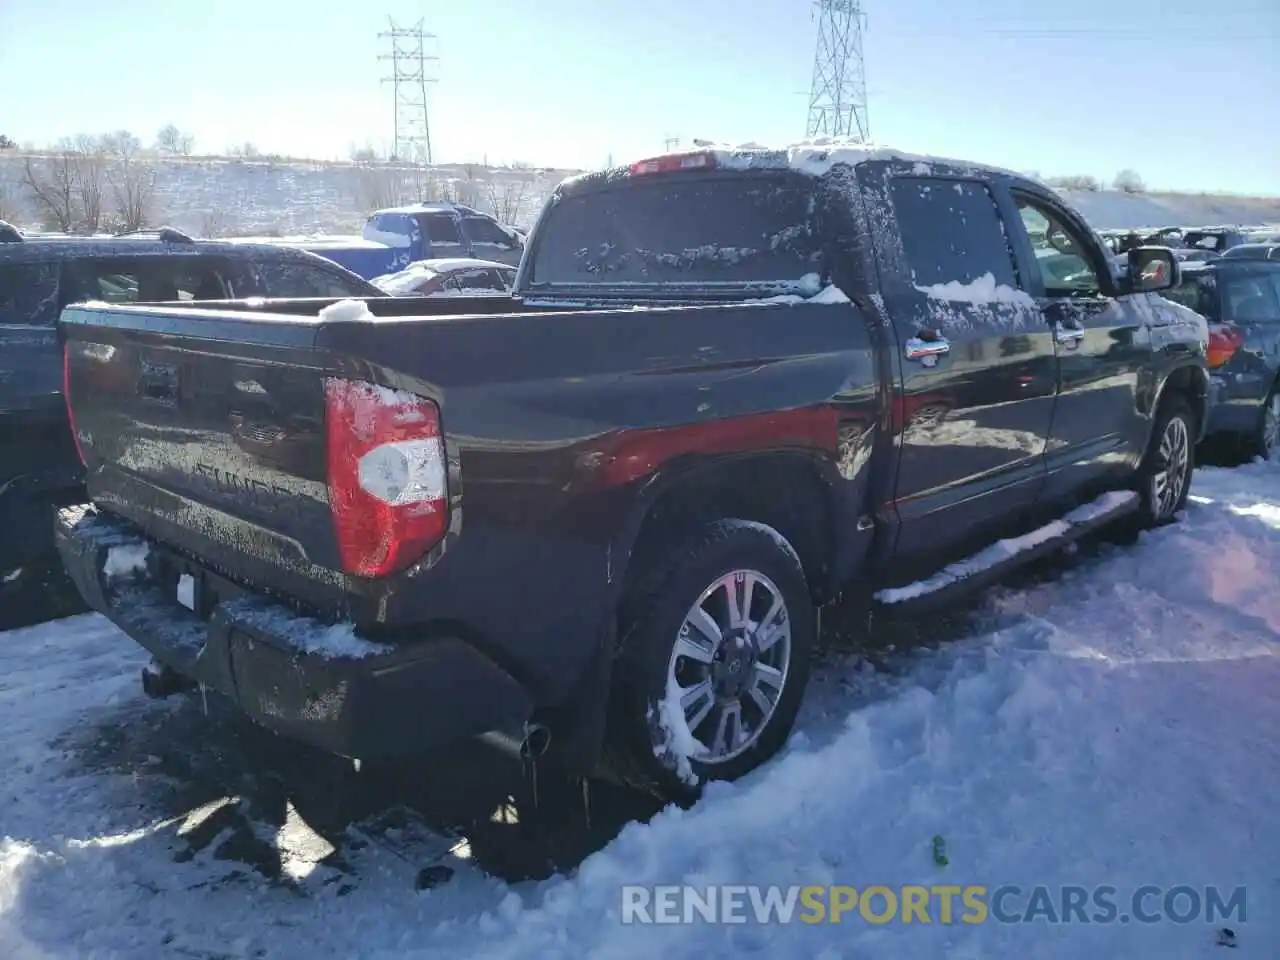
<point x="194" y="587"/>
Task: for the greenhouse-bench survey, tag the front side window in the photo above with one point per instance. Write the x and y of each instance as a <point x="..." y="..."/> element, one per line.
<point x="1061" y="251"/>
<point x="485" y="231"/>
<point x="284" y="279"/>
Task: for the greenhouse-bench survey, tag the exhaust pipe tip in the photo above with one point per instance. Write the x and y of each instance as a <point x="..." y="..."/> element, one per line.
<point x="529" y="743"/>
<point x="159" y="682"/>
<point x="537" y="741"/>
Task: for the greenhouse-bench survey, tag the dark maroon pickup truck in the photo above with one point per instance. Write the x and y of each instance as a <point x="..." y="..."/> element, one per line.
<point x="597" y="518"/>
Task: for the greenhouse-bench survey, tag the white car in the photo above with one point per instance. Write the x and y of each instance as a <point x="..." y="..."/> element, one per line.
<point x="454" y="277"/>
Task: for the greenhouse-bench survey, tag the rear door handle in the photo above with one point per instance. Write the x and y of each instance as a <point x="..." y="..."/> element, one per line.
<point x="1063" y="334"/>
<point x="917" y="348"/>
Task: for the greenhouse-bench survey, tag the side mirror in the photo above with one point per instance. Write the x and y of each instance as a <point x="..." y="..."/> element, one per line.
<point x="1151" y="269"/>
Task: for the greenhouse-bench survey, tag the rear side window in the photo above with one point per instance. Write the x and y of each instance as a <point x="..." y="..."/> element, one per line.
<point x="475" y="281"/>
<point x="441" y="228"/>
<point x="29" y="293"/>
<point x="147" y="280"/>
<point x="951" y="231"/>
<point x="482" y="230"/>
<point x="284" y="279"/>
<point x="689" y="231"/>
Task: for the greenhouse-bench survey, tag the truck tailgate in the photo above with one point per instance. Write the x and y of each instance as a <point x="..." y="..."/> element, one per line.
<point x="208" y="432"/>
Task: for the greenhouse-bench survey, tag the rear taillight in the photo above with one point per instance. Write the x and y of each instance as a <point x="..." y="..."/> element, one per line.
<point x="66" y="398"/>
<point x="1224" y="341"/>
<point x="388" y="488"/>
<point x="674" y="162"/>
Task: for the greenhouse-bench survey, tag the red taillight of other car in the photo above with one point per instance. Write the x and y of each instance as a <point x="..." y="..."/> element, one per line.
<point x="1224" y="341"/>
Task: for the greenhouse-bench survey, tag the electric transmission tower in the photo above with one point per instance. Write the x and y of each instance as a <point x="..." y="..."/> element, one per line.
<point x="838" y="95"/>
<point x="409" y="79"/>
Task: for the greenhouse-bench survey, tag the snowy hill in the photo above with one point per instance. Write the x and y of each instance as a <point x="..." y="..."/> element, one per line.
<point x="246" y="197"/>
<point x="219" y="196"/>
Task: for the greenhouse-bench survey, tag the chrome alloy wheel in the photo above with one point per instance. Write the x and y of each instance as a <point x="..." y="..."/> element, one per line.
<point x="730" y="663"/>
<point x="1170" y="477"/>
<point x="1271" y="427"/>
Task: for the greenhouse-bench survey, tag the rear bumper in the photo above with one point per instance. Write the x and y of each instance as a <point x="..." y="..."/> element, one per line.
<point x="308" y="680"/>
<point x="1235" y="407"/>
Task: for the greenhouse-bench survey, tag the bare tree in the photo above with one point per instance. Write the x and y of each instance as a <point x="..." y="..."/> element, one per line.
<point x="215" y="223"/>
<point x="1075" y="182"/>
<point x="1128" y="181"/>
<point x="66" y="187"/>
<point x="132" y="180"/>
<point x="6" y="143"/>
<point x="91" y="159"/>
<point x="174" y="142"/>
<point x="366" y="154"/>
<point x="10" y="208"/>
<point x="506" y="198"/>
<point x="379" y="186"/>
<point x="245" y="151"/>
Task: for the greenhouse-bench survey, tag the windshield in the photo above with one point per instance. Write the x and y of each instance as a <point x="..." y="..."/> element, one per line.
<point x="713" y="230"/>
<point x="1232" y="296"/>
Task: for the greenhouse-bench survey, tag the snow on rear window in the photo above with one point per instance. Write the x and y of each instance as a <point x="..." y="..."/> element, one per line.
<point x="714" y="230"/>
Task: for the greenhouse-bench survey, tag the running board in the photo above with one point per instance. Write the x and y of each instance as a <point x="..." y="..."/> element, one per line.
<point x="992" y="563"/>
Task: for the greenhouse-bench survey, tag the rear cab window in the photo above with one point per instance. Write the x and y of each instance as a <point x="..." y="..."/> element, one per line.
<point x="681" y="234"/>
<point x="29" y="294"/>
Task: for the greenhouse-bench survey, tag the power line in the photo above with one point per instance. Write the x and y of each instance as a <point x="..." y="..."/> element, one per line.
<point x="411" y="124"/>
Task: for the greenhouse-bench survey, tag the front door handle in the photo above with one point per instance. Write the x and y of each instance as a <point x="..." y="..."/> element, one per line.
<point x="1063" y="334"/>
<point x="917" y="348"/>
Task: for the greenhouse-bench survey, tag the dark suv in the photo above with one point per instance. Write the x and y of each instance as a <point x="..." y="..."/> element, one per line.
<point x="40" y="275"/>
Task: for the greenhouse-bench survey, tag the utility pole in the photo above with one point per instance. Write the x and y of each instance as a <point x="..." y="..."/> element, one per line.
<point x="670" y="143"/>
<point x="838" y="95"/>
<point x="411" y="125"/>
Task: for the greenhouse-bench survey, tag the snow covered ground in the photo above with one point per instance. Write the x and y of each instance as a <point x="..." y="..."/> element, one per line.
<point x="1116" y="724"/>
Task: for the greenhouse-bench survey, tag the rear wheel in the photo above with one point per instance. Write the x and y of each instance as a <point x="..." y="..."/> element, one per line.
<point x="714" y="661"/>
<point x="1164" y="478"/>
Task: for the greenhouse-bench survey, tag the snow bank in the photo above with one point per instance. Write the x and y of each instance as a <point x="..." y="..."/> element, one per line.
<point x="1002" y="550"/>
<point x="126" y="560"/>
<point x="980" y="291"/>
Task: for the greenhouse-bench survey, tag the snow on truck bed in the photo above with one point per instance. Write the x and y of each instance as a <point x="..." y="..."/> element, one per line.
<point x="1117" y="726"/>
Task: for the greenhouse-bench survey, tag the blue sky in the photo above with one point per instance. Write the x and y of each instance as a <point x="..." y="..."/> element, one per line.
<point x="1184" y="91"/>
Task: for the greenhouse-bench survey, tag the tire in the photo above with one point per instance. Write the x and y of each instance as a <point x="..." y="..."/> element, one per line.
<point x="1164" y="476"/>
<point x="1266" y="441"/>
<point x="650" y="745"/>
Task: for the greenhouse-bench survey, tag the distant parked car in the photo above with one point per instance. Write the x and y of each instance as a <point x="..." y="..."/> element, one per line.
<point x="1217" y="239"/>
<point x="1254" y="251"/>
<point x="1240" y="298"/>
<point x="455" y="277"/>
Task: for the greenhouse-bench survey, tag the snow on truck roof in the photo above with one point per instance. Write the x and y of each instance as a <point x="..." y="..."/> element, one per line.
<point x="812" y="157"/>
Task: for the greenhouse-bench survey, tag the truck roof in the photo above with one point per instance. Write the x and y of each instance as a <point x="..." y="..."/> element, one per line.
<point x="813" y="158"/>
<point x="429" y="206"/>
